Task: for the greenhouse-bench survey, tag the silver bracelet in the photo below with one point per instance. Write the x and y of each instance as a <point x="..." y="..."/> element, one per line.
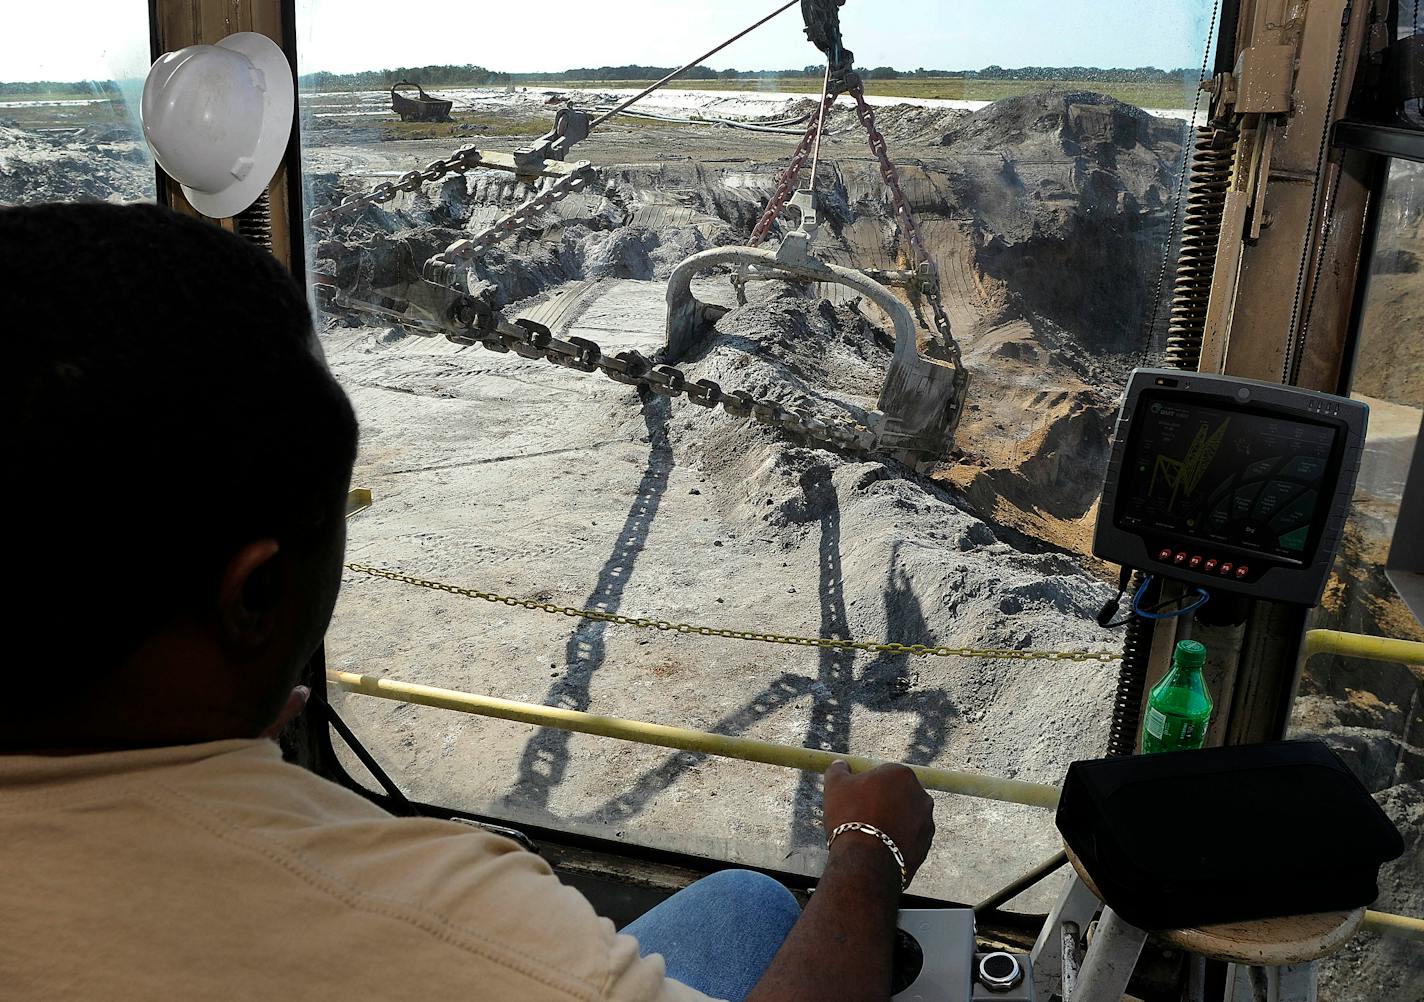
<point x="861" y="826"/>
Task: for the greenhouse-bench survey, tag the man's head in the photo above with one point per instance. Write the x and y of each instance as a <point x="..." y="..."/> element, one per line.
<point x="178" y="454"/>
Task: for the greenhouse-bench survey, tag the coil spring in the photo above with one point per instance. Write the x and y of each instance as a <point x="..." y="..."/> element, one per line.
<point x="1131" y="680"/>
<point x="1213" y="155"/>
<point x="255" y="222"/>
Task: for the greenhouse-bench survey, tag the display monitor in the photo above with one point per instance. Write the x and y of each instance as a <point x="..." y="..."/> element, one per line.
<point x="1230" y="483"/>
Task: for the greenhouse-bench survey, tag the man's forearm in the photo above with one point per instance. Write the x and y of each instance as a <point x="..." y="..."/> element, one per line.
<point x="842" y="945"/>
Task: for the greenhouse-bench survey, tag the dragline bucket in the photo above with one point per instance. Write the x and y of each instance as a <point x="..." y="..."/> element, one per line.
<point x="922" y="397"/>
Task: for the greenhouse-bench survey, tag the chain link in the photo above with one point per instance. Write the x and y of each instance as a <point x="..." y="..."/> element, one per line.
<point x="924" y="264"/>
<point x="459" y="162"/>
<point x="441" y="267"/>
<point x="535" y="341"/>
<point x="484" y="327"/>
<point x="664" y="626"/>
<point x="786" y="187"/>
<point x="926" y="272"/>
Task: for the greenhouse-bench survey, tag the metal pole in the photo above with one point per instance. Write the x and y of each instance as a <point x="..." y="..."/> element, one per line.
<point x="677" y="73"/>
<point x="820" y="128"/>
<point x="1012" y="791"/>
<point x="1021" y="884"/>
<point x="1109" y="962"/>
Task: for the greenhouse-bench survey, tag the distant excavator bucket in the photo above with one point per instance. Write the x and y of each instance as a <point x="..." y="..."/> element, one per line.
<point x="922" y="397"/>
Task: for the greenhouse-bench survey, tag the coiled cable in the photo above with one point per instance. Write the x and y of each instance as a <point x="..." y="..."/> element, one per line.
<point x="1213" y="158"/>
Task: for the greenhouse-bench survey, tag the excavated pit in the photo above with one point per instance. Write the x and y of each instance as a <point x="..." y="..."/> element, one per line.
<point x="1047" y="215"/>
<point x="516" y="476"/>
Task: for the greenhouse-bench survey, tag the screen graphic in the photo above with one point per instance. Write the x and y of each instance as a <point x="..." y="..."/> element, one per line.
<point x="1243" y="480"/>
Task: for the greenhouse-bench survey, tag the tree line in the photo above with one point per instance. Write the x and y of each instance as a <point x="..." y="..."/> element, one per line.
<point x="99" y="88"/>
<point x="1137" y="74"/>
<point x="444" y="75"/>
<point x="448" y="75"/>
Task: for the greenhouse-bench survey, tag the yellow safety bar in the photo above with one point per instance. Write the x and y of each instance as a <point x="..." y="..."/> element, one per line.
<point x="1357" y="645"/>
<point x="1010" y="791"/>
<point x="358" y="499"/>
<point x="1402" y="926"/>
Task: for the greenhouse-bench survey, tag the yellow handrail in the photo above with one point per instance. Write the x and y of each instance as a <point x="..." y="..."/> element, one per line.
<point x="1402" y="926"/>
<point x="1357" y="645"/>
<point x="1010" y="791"/>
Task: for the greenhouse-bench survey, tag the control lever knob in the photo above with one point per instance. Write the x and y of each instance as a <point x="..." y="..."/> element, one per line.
<point x="1000" y="972"/>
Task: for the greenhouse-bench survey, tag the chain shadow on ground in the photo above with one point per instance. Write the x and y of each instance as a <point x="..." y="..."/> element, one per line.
<point x="545" y="759"/>
<point x="835" y="691"/>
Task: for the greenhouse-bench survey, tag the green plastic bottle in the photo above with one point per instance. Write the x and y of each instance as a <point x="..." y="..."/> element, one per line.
<point x="1180" y="707"/>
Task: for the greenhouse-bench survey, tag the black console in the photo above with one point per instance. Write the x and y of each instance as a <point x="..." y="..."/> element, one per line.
<point x="1230" y="484"/>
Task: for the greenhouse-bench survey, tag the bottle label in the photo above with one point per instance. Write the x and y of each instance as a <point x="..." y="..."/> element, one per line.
<point x="1173" y="731"/>
<point x="1156" y="723"/>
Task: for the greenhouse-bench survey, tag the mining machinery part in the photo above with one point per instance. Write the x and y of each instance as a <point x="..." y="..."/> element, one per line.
<point x="1213" y="159"/>
<point x="1405" y="62"/>
<point x="1131" y="679"/>
<point x="443" y="268"/>
<point x="570" y="126"/>
<point x="255" y="222"/>
<point x="922" y="397"/>
<point x="823" y="28"/>
<point x="422" y="107"/>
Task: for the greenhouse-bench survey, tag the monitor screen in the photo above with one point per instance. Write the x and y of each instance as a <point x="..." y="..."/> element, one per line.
<point x="1240" y="479"/>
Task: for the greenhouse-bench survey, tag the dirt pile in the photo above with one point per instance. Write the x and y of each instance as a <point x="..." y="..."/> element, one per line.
<point x="106" y="163"/>
<point x="1071" y="198"/>
<point x="571" y="487"/>
<point x="1046" y="213"/>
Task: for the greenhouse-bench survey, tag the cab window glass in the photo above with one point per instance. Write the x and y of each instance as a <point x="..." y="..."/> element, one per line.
<point x="1045" y="185"/>
<point x="70" y="84"/>
<point x="1370" y="712"/>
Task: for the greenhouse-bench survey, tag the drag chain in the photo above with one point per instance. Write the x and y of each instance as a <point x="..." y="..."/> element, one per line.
<point x="460" y="162"/>
<point x="441" y="269"/>
<point x="473" y="322"/>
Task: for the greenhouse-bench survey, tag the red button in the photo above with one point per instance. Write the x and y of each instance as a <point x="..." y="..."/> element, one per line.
<point x="1242" y="571"/>
<point x="1164" y="554"/>
<point x="1180" y="558"/>
<point x="1226" y="567"/>
<point x="1210" y="566"/>
<point x="1195" y="562"/>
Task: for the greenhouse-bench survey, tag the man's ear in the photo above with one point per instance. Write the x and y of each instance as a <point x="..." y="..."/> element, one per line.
<point x="296" y="703"/>
<point x="250" y="594"/>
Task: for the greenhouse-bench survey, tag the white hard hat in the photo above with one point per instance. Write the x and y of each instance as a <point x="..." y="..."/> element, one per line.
<point x="218" y="118"/>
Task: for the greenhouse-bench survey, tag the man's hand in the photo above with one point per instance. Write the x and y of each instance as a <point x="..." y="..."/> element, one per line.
<point x="841" y="948"/>
<point x="888" y="797"/>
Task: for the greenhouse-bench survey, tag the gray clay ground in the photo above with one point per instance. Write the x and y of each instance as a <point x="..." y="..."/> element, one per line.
<point x="519" y="477"/>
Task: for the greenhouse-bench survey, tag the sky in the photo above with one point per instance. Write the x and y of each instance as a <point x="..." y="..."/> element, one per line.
<point x="108" y="39"/>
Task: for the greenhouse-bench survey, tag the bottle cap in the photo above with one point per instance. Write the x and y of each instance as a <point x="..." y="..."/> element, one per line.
<point x="1190" y="654"/>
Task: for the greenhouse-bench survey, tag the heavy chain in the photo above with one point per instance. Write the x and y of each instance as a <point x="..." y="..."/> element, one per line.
<point x="924" y="263"/>
<point x="925" y="270"/>
<point x="664" y="626"/>
<point x="441" y="268"/>
<point x="459" y="162"/>
<point x="473" y="323"/>
<point x="786" y="186"/>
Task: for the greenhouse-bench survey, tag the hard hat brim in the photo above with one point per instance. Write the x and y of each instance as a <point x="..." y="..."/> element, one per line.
<point x="278" y="105"/>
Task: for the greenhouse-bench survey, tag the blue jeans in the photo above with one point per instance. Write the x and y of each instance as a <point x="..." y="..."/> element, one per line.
<point x="720" y="934"/>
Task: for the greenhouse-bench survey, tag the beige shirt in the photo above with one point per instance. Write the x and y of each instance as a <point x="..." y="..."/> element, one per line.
<point x="217" y="871"/>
